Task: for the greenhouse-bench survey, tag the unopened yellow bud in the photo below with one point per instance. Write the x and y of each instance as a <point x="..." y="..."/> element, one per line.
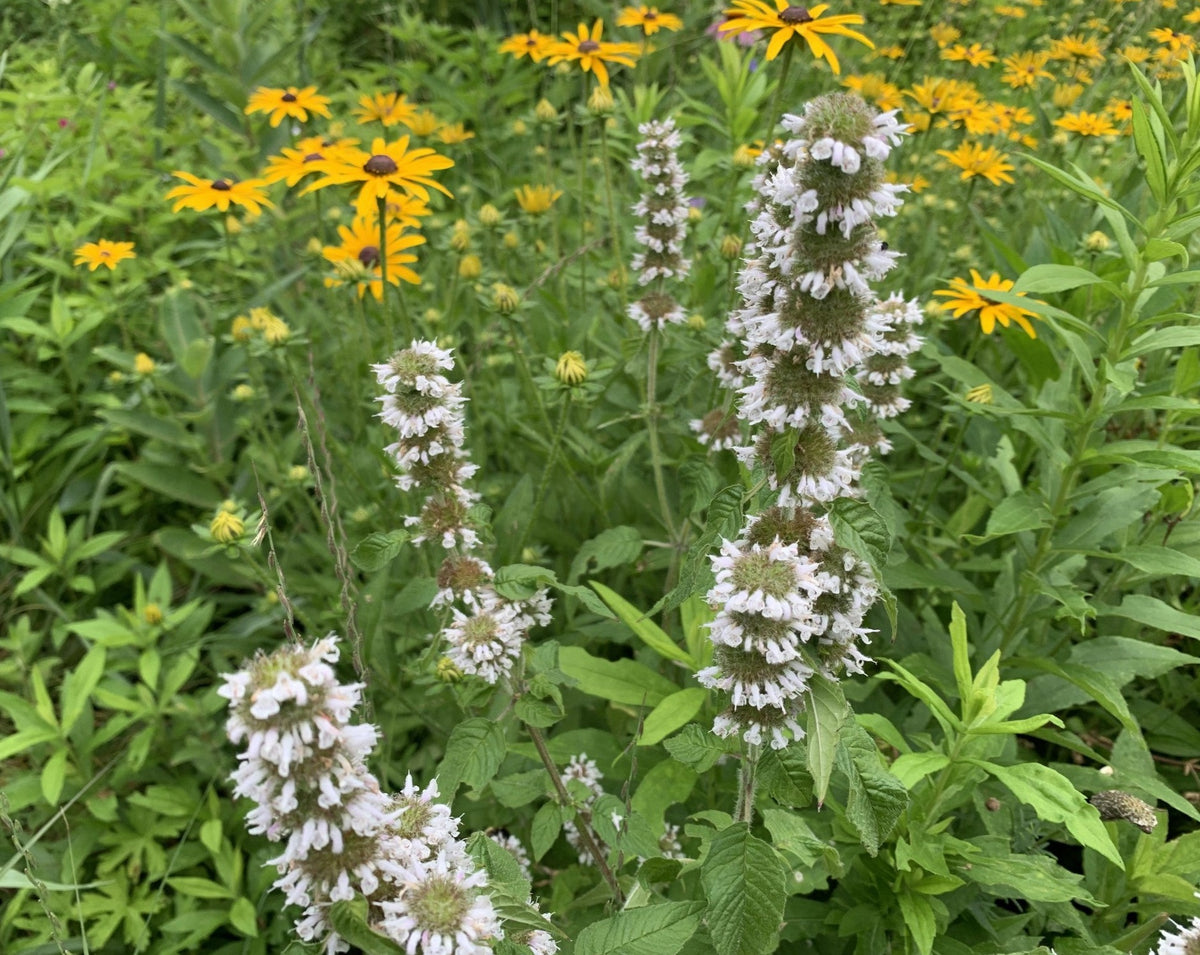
<point x="744" y="157"/>
<point x="143" y="364"/>
<point x="227" y="527"/>
<point x="152" y="614"/>
<point x="460" y="238"/>
<point x="519" y="127"/>
<point x="545" y="111"/>
<point x="241" y="329"/>
<point x="600" y="103"/>
<point x="731" y="247"/>
<point x="447" y="672"/>
<point x="433" y="316"/>
<point x="297" y="472"/>
<point x="511" y="240"/>
<point x="489" y="216"/>
<point x="233" y="225"/>
<point x="505" y="298"/>
<point x="1097" y="242"/>
<point x="571" y="370"/>
<point x="469" y="267"/>
<point x="697" y="321"/>
<point x="243" y="392"/>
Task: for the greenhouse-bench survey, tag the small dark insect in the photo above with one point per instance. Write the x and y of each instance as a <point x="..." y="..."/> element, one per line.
<point x="1114" y="804"/>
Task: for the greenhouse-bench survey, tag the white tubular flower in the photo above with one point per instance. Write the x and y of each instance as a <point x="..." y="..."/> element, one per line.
<point x="663" y="206"/>
<point x="442" y="908"/>
<point x="1180" y="939"/>
<point x="487" y="641"/>
<point x="880" y="378"/>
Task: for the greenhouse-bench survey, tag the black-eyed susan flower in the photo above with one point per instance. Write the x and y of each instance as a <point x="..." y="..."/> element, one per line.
<point x="649" y="19"/>
<point x="976" y="160"/>
<point x="423" y="122"/>
<point x="591" y="53"/>
<point x="1079" y="51"/>
<point x="387" y="167"/>
<point x="976" y="54"/>
<point x="1023" y="70"/>
<point x="943" y="34"/>
<point x="294" y="163"/>
<point x="1087" y="124"/>
<point x="536" y="200"/>
<point x="403" y="210"/>
<point x="453" y="133"/>
<point x="961" y="299"/>
<point x="103" y="252"/>
<point x="358" y="257"/>
<point x="201" y="194"/>
<point x="387" y="109"/>
<point x="534" y="45"/>
<point x="790" y="21"/>
<point x="293" y="102"/>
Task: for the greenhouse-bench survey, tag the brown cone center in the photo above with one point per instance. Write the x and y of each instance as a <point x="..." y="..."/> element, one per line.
<point x="380" y="165"/>
<point x="221" y="185"/>
<point x="289" y="97"/>
<point x="795" y="15"/>
<point x="369" y="256"/>
<point x="313" y="157"/>
<point x="589" y="46"/>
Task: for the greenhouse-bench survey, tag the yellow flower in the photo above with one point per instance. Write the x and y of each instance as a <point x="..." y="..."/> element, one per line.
<point x="203" y="194"/>
<point x="586" y="48"/>
<point x="226" y="526"/>
<point x="790" y="22"/>
<point x="453" y="133"/>
<point x="943" y="34"/>
<point x="975" y="160"/>
<point x="387" y="166"/>
<point x="976" y="54"/>
<point x="241" y="329"/>
<point x="358" y="259"/>
<point x="293" y="102"/>
<point x="422" y="123"/>
<point x="1080" y="51"/>
<point x="649" y="19"/>
<point x="489" y="216"/>
<point x="1065" y="94"/>
<point x="294" y="163"/>
<point x="532" y="44"/>
<point x="143" y="364"/>
<point x="103" y="252"/>
<point x="962" y="298"/>
<point x="535" y="200"/>
<point x="387" y="109"/>
<point x="876" y="88"/>
<point x="571" y="369"/>
<point x="152" y="614"/>
<point x="1087" y="124"/>
<point x="1025" y="69"/>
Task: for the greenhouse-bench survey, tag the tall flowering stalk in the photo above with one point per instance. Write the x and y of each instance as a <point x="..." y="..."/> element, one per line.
<point x="485" y="632"/>
<point x="304" y="766"/>
<point x="790" y="601"/>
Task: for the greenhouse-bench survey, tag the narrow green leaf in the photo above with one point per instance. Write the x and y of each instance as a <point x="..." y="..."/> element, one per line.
<point x="919" y="919"/>
<point x="1057" y="278"/>
<point x="673" y="712"/>
<point x="349" y="920"/>
<point x="961" y="651"/>
<point x="1152" y="612"/>
<point x="646" y="629"/>
<point x="621" y="681"/>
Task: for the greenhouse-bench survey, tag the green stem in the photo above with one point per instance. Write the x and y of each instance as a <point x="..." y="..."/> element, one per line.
<point x="586" y="835"/>
<point x="747" y="784"/>
<point x="612" y="211"/>
<point x="789" y="50"/>
<point x="381" y="205"/>
<point x="544" y="483"/>
<point x="656" y="461"/>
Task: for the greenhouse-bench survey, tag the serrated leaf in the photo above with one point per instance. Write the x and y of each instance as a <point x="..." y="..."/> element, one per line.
<point x="827" y="713"/>
<point x="614" y="547"/>
<point x="376" y="550"/>
<point x="660" y="929"/>
<point x="860" y="528"/>
<point x="547" y="824"/>
<point x="349" y="920"/>
<point x="666" y="784"/>
<point x="745" y="881"/>
<point x="876" y="798"/>
<point x="1034" y="877"/>
<point x="474" y="753"/>
<point x="696" y="748"/>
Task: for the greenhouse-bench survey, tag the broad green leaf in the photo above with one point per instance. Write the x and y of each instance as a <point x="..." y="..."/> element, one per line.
<point x="646" y="629"/>
<point x="667" y="783"/>
<point x="694" y="747"/>
<point x="78" y="686"/>
<point x="54" y="775"/>
<point x="621" y="681"/>
<point x="877" y="798"/>
<point x="789" y="833"/>
<point x="745" y="881"/>
<point x="173" y="483"/>
<point x="378" y="549"/>
<point x="474" y="752"/>
<point x="1054" y="799"/>
<point x="673" y="712"/>
<point x="1152" y="612"/>
<point x="827" y="713"/>
<point x="349" y="920"/>
<point x="614" y="547"/>
<point x="1034" y="877"/>
<point x="660" y="929"/>
<point x="547" y="824"/>
<point x="910" y="768"/>
<point x="857" y="526"/>
<point x="243" y="916"/>
<point x="1175" y="337"/>
<point x="1018" y="512"/>
<point x="1057" y="278"/>
<point x="167" y="430"/>
<point x="919" y="919"/>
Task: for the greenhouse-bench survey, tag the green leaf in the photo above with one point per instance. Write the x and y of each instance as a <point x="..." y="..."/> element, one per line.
<point x="54" y="775"/>
<point x="857" y="526"/>
<point x="668" y="783"/>
<point x="827" y="713"/>
<point x="378" y="549"/>
<point x="1161" y="561"/>
<point x="167" y="430"/>
<point x="200" y="888"/>
<point x="961" y="652"/>
<point x="614" y="547"/>
<point x="77" y="687"/>
<point x="646" y="629"/>
<point x="877" y="798"/>
<point x="520" y="789"/>
<point x="910" y="768"/>
<point x="244" y="917"/>
<point x="660" y="929"/>
<point x="789" y="833"/>
<point x="621" y="681"/>
<point x="783" y="451"/>
<point x="1034" y="877"/>
<point x="1152" y="612"/>
<point x="1174" y="337"/>
<point x="1152" y="150"/>
<point x="1016" y="513"/>
<point x="543" y="831"/>
<point x="919" y="919"/>
<point x="745" y="881"/>
<point x="1056" y="278"/>
<point x="173" y="483"/>
<point x="1054" y="799"/>
<point x="696" y="748"/>
<point x="672" y="713"/>
<point x="349" y="920"/>
<point x="474" y="753"/>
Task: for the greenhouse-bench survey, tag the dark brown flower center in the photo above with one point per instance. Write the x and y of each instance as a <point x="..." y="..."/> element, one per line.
<point x="588" y="46"/>
<point x="313" y="157"/>
<point x="380" y="165"/>
<point x="369" y="256"/>
<point x="795" y="14"/>
<point x="649" y="17"/>
<point x="221" y="185"/>
<point x="289" y="97"/>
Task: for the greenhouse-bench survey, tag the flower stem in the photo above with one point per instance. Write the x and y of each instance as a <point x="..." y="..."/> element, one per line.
<point x="590" y="842"/>
<point x="656" y="461"/>
<point x="381" y="204"/>
<point x="777" y="100"/>
<point x="747" y="784"/>
<point x="612" y="209"/>
<point x="544" y="483"/>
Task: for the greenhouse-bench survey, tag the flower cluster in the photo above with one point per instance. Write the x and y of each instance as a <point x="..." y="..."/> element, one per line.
<point x="585" y="772"/>
<point x="486" y="634"/>
<point x="819" y="352"/>
<point x="1180" y="939"/>
<point x="663" y="208"/>
<point x="304" y="766"/>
